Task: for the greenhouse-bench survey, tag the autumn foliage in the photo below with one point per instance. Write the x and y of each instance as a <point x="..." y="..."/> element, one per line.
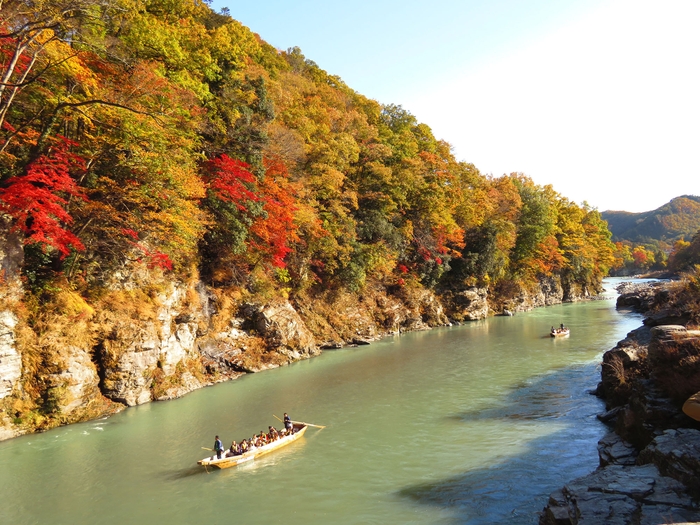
<point x="172" y="136"/>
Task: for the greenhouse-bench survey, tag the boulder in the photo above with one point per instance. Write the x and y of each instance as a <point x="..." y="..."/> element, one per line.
<point x="639" y="296"/>
<point x="282" y="328"/>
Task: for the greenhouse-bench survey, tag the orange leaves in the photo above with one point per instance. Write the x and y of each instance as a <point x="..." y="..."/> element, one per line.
<point x="268" y="206"/>
<point x="273" y="231"/>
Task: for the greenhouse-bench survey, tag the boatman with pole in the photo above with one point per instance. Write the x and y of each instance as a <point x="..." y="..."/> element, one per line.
<point x="289" y="427"/>
<point x="218" y="447"/>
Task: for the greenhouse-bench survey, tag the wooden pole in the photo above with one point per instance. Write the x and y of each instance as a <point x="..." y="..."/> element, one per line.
<point x="302" y="423"/>
<point x="308" y="424"/>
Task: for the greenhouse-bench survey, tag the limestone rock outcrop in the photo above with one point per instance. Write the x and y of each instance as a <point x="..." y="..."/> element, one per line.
<point x="282" y="328"/>
<point x="148" y="360"/>
<point x="77" y="382"/>
<point x="10" y="360"/>
<point x="470" y="304"/>
<point x="11" y="256"/>
<point x="157" y="338"/>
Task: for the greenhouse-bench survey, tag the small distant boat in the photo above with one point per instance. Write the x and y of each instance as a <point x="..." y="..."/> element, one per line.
<point x="232" y="461"/>
<point x="559" y="332"/>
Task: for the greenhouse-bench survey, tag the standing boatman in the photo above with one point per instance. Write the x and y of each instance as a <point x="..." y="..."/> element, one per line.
<point x="288" y="423"/>
<point x="218" y="447"/>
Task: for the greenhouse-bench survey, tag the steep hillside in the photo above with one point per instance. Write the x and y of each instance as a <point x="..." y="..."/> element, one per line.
<point x="678" y="219"/>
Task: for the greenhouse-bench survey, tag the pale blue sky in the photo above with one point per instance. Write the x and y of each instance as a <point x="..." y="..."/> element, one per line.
<point x="599" y="98"/>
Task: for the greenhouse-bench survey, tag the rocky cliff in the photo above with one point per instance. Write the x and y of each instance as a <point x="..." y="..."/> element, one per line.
<point x="150" y="338"/>
<point x="650" y="461"/>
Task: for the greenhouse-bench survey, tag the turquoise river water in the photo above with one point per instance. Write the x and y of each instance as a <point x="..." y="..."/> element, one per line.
<point x="472" y="424"/>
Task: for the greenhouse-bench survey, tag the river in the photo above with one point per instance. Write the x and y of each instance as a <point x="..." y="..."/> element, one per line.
<point x="472" y="424"/>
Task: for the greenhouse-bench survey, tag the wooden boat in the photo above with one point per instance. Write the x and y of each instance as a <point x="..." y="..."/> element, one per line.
<point x="560" y="332"/>
<point x="232" y="461"/>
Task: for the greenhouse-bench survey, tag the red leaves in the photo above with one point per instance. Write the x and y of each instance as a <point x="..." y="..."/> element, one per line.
<point x="227" y="179"/>
<point x="36" y="200"/>
<point x="230" y="180"/>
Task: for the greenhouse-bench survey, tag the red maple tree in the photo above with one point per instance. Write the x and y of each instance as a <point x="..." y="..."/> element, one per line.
<point x="226" y="178"/>
<point x="36" y="200"/>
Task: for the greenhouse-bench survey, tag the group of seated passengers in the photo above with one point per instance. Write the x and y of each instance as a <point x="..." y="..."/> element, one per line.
<point x="560" y="329"/>
<point x="258" y="440"/>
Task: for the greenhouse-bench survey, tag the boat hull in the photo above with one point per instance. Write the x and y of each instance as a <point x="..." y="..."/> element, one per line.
<point x="559" y="333"/>
<point x="232" y="461"/>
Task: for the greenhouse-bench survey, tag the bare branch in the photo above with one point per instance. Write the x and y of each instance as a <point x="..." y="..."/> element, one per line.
<point x="107" y="103"/>
<point x="39" y="73"/>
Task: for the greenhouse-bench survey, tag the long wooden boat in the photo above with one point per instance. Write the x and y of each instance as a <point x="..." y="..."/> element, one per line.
<point x="559" y="332"/>
<point x="232" y="461"/>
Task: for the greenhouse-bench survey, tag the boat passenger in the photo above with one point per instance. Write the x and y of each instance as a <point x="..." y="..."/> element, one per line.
<point x="554" y="331"/>
<point x="273" y="434"/>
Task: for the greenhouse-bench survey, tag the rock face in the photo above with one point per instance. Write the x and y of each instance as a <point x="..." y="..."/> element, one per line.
<point x="136" y="356"/>
<point x="620" y="495"/>
<point x="10" y="360"/>
<point x="549" y="291"/>
<point x="639" y="296"/>
<point x="469" y="305"/>
<point x="676" y="453"/>
<point x="660" y="486"/>
<point x="282" y="328"/>
<point x="11" y="256"/>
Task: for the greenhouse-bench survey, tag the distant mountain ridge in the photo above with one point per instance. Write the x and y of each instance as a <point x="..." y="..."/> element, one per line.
<point x="677" y="219"/>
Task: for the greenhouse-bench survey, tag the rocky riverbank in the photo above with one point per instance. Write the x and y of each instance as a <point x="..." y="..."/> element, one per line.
<point x="649" y="471"/>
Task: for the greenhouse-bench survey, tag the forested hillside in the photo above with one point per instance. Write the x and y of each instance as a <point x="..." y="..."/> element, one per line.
<point x="644" y="240"/>
<point x="158" y="129"/>
<point x="160" y="137"/>
<point x="677" y="219"/>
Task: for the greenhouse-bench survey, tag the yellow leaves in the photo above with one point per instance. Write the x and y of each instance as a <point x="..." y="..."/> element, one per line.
<point x="381" y="260"/>
<point x="233" y="44"/>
